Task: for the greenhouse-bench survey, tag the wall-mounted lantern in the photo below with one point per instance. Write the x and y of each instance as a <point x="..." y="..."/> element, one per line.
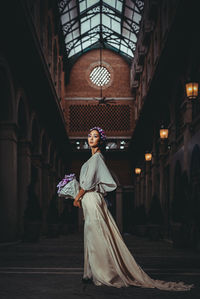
<point x="164" y="133"/>
<point x="138" y="170"/>
<point x="148" y="157"/>
<point x="192" y="89"/>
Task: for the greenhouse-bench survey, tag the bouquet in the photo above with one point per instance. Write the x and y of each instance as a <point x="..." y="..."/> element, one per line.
<point x="68" y="187"/>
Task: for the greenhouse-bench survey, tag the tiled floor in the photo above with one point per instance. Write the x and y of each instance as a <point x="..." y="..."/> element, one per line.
<point x="52" y="268"/>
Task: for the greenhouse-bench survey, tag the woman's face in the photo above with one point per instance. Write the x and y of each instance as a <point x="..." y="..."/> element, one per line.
<point x="93" y="138"/>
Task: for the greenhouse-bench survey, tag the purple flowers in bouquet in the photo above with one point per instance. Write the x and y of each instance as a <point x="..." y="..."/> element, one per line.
<point x="68" y="178"/>
<point x="68" y="187"/>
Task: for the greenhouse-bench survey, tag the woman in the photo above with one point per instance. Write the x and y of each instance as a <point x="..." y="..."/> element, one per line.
<point x="107" y="260"/>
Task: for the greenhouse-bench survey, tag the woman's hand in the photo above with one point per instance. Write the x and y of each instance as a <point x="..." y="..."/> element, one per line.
<point x="77" y="203"/>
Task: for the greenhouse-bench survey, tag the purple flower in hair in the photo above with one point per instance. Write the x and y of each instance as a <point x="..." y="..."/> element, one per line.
<point x="101" y="132"/>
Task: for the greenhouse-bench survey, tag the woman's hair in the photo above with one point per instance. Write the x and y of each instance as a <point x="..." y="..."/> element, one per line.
<point x="102" y="141"/>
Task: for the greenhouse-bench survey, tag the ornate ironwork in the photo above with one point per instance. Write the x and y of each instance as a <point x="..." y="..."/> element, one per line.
<point x="119" y="22"/>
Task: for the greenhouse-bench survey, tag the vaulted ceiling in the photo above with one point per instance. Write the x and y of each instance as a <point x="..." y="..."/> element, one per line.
<point x="90" y="24"/>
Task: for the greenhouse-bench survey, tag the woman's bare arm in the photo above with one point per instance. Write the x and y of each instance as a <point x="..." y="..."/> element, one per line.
<point x="76" y="202"/>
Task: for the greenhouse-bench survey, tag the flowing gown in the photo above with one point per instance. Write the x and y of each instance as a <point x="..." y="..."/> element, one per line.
<point x="107" y="260"/>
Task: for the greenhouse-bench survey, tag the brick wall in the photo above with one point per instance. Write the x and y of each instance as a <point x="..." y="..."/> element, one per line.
<point x="79" y="85"/>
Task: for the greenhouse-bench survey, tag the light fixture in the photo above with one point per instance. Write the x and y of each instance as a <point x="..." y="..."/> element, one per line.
<point x="121" y="146"/>
<point x="192" y="89"/>
<point x="164" y="133"/>
<point x="148" y="157"/>
<point x="138" y="170"/>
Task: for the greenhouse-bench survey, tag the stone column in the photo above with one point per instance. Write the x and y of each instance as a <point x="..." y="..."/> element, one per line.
<point x="119" y="207"/>
<point x="8" y="182"/>
<point x="142" y="180"/>
<point x="153" y="169"/>
<point x="24" y="178"/>
<point x="136" y="192"/>
<point x="36" y="161"/>
<point x="187" y="133"/>
<point x="148" y="195"/>
<point x="161" y="171"/>
<point x="45" y="195"/>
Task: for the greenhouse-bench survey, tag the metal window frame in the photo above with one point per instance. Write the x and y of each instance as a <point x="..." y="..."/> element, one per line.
<point x="116" y="39"/>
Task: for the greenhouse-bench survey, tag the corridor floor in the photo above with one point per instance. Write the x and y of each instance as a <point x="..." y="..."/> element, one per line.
<point x="52" y="268"/>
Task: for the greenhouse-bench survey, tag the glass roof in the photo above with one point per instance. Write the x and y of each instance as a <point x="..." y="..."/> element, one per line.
<point x="90" y="24"/>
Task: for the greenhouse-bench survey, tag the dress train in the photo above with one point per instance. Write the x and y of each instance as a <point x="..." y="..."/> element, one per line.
<point x="107" y="260"/>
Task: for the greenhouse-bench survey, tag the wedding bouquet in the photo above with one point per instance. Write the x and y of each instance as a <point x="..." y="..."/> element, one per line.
<point x="68" y="187"/>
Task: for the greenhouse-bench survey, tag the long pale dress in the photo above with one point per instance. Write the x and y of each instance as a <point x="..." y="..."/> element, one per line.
<point x="107" y="260"/>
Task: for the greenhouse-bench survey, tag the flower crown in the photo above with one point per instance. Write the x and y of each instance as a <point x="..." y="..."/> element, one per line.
<point x="101" y="132"/>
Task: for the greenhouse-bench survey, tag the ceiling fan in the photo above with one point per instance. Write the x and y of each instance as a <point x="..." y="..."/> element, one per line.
<point x="102" y="100"/>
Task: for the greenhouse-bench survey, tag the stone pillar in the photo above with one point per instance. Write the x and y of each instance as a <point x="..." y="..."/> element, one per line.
<point x="187" y="133"/>
<point x="153" y="169"/>
<point x="45" y="195"/>
<point x="36" y="161"/>
<point x="8" y="182"/>
<point x="24" y="178"/>
<point x="136" y="195"/>
<point x="148" y="195"/>
<point x="138" y="191"/>
<point x="119" y="207"/>
<point x="142" y="181"/>
<point x="161" y="172"/>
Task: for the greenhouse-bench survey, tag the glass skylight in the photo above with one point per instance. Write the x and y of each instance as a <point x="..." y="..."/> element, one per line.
<point x="111" y="24"/>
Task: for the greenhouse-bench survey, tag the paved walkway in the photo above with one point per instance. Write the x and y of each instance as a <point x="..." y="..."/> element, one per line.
<point x="52" y="269"/>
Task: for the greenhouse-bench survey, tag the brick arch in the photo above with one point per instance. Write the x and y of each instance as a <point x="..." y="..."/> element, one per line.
<point x="7" y="93"/>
